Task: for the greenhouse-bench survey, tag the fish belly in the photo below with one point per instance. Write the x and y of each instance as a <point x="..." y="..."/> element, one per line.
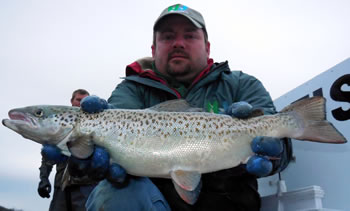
<point x="149" y="158"/>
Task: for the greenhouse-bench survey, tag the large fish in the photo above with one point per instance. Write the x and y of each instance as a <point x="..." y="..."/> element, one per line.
<point x="163" y="141"/>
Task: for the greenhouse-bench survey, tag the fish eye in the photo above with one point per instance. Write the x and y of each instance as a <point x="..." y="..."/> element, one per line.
<point x="39" y="113"/>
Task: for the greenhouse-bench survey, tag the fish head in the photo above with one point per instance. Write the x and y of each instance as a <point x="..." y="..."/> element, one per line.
<point x="43" y="124"/>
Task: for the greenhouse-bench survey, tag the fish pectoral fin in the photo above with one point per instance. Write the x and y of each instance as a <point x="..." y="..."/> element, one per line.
<point x="81" y="145"/>
<point x="187" y="180"/>
<point x="190" y="197"/>
<point x="65" y="179"/>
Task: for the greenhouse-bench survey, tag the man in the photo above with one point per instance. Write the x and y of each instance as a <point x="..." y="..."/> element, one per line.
<point x="74" y="196"/>
<point x="77" y="96"/>
<point x="180" y="67"/>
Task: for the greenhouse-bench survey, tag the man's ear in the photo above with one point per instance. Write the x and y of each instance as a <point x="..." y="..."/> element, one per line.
<point x="153" y="50"/>
<point x="207" y="48"/>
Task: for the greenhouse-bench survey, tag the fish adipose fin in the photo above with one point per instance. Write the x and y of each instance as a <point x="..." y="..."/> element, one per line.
<point x="257" y="112"/>
<point x="178" y="105"/>
<point x="311" y="114"/>
<point x="81" y="145"/>
<point x="187" y="184"/>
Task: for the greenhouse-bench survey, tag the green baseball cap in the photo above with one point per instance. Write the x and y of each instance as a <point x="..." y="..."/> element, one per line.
<point x="178" y="9"/>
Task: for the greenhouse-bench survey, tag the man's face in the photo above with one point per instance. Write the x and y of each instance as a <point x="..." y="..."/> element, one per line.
<point x="180" y="51"/>
<point x="77" y="98"/>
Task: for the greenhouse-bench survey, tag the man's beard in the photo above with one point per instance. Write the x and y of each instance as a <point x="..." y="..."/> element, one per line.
<point x="176" y="73"/>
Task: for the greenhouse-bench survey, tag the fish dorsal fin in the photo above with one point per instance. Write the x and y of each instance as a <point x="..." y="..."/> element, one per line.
<point x="80" y="144"/>
<point x="190" y="197"/>
<point x="178" y="105"/>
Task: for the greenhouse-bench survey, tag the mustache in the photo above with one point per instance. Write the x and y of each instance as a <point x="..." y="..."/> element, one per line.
<point x="178" y="53"/>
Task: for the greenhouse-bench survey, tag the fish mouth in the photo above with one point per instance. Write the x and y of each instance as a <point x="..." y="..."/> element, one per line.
<point x="20" y="118"/>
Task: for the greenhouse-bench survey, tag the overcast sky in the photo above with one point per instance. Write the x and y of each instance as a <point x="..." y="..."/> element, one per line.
<point x="50" y="48"/>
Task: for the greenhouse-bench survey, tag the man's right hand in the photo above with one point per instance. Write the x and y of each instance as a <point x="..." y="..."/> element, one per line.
<point x="44" y="188"/>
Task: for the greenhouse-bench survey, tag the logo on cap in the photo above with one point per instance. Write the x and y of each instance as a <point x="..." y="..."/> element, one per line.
<point x="177" y="8"/>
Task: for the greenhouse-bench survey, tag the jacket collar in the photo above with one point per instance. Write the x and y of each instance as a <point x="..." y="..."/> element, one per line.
<point x="143" y="68"/>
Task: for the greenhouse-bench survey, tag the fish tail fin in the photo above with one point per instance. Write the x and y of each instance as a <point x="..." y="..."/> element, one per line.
<point x="311" y="113"/>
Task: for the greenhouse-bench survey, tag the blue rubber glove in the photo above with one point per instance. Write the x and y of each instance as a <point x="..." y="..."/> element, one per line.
<point x="264" y="147"/>
<point x="93" y="104"/>
<point x="53" y="154"/>
<point x="100" y="166"/>
<point x="241" y="110"/>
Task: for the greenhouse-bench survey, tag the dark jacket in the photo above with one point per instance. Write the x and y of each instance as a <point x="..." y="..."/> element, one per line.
<point x="217" y="85"/>
<point x="46" y="168"/>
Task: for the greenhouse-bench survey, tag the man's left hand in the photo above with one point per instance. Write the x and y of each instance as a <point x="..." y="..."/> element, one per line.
<point x="265" y="148"/>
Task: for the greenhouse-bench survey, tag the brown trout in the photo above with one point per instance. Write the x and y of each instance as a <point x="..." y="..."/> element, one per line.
<point x="170" y="140"/>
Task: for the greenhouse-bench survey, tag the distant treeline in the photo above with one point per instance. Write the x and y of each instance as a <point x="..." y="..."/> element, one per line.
<point x="5" y="209"/>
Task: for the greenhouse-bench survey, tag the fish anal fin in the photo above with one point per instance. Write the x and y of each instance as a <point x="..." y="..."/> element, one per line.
<point x="187" y="180"/>
<point x="190" y="197"/>
<point x="80" y="145"/>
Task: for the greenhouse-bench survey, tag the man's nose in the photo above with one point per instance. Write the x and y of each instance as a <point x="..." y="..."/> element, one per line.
<point x="179" y="42"/>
